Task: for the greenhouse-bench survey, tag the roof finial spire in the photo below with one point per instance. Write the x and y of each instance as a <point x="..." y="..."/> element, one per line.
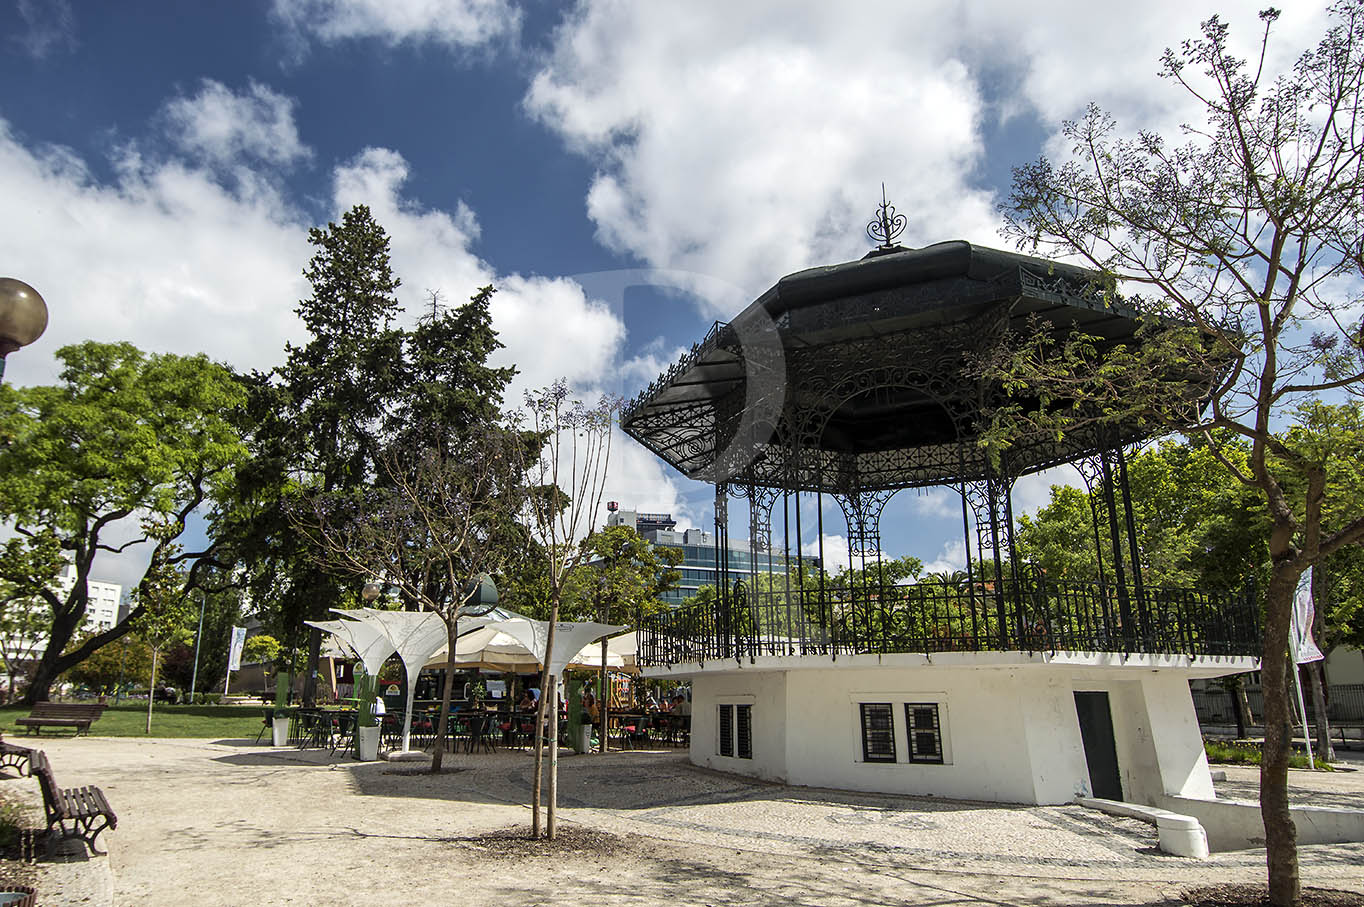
<point x="888" y="225"/>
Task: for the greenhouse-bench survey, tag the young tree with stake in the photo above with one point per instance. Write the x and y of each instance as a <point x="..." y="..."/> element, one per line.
<point x="566" y="483"/>
<point x="1251" y="234"/>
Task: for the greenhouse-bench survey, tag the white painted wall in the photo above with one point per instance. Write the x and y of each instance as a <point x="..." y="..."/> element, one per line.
<point x="1237" y="825"/>
<point x="766" y="691"/>
<point x="1010" y="734"/>
<point x="981" y="725"/>
<point x="1056" y="754"/>
<point x="1177" y="738"/>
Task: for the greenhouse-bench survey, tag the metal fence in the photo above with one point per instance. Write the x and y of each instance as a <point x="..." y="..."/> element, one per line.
<point x="1344" y="703"/>
<point x="1034" y="615"/>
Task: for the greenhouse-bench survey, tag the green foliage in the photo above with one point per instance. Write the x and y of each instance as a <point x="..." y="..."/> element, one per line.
<point x="1196" y="525"/>
<point x="222" y="610"/>
<point x="624" y="577"/>
<point x="446" y="380"/>
<point x="1249" y="234"/>
<point x="28" y="566"/>
<point x="165" y="613"/>
<point x="14" y="818"/>
<point x="340" y="418"/>
<point x="260" y="649"/>
<point x="123" y="434"/>
<point x="205" y="722"/>
<point x="128" y="661"/>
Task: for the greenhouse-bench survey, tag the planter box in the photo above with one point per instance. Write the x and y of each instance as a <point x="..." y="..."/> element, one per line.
<point x="369" y="743"/>
<point x="280" y="731"/>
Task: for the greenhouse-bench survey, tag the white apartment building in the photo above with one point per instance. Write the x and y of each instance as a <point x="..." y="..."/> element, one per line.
<point x="102" y="611"/>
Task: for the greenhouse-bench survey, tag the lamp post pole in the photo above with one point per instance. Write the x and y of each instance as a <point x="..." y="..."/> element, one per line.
<point x="23" y="317"/>
<point x="194" y="676"/>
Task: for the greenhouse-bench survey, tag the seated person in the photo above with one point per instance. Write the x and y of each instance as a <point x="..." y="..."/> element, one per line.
<point x="528" y="702"/>
<point x="681" y="706"/>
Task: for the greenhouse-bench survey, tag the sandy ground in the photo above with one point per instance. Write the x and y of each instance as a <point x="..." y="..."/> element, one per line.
<point x="208" y="823"/>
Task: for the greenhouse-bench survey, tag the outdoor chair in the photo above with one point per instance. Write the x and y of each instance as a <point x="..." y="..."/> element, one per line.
<point x="480" y="734"/>
<point x="268" y="725"/>
<point x="316" y="729"/>
<point x="634" y="731"/>
<point x="344" y="726"/>
<point x="391" y="729"/>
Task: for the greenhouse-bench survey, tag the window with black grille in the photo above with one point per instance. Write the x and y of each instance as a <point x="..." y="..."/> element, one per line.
<point x="726" y="730"/>
<point x="878" y="732"/>
<point x="924" y="731"/>
<point x="743" y="731"/>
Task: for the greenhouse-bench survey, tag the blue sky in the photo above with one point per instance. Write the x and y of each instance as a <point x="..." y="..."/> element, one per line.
<point x="161" y="163"/>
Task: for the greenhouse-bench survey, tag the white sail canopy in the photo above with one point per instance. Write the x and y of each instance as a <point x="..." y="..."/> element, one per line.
<point x="569" y="638"/>
<point x="367" y="640"/>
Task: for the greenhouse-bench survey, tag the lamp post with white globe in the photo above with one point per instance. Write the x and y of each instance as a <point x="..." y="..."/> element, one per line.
<point x="23" y="317"/>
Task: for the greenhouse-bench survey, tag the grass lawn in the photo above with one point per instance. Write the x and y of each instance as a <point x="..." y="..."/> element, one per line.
<point x="130" y="720"/>
<point x="1235" y="753"/>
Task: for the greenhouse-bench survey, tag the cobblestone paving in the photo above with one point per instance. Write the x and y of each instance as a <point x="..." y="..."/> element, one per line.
<point x="668" y="797"/>
<point x="226" y="821"/>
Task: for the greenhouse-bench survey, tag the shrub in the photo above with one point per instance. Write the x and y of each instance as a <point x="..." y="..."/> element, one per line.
<point x="1237" y="753"/>
<point x="13" y="819"/>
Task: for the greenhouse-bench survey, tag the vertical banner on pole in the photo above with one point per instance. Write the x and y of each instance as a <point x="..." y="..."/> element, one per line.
<point x="1303" y="649"/>
<point x="234" y="655"/>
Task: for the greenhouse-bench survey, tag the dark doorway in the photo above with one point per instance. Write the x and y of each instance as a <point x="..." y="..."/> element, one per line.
<point x="1101" y="753"/>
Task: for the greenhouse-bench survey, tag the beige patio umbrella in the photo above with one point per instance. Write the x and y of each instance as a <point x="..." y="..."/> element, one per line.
<point x="620" y="654"/>
<point x="489" y="648"/>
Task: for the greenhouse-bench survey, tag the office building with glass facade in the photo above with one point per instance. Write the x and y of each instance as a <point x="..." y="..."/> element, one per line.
<point x="699" y="555"/>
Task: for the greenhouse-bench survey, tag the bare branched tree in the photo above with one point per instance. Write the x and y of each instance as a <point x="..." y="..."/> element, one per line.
<point x="1250" y="232"/>
<point x="566" y="483"/>
<point x="431" y="531"/>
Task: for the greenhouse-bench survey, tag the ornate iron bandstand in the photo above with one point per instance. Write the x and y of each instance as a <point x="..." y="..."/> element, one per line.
<point x="854" y="382"/>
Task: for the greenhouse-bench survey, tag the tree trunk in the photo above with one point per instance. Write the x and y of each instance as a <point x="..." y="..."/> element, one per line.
<point x="51" y="664"/>
<point x="551" y="820"/>
<point x="547" y="687"/>
<point x="310" y="672"/>
<point x="1281" y="836"/>
<point x="1244" y="716"/>
<point x="1316" y="675"/>
<point x="151" y="692"/>
<point x="539" y="758"/>
<point x="447" y="693"/>
<point x="604" y="709"/>
<point x="1234" y="690"/>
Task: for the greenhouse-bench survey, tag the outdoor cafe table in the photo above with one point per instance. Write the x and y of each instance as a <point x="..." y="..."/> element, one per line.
<point x="314" y="727"/>
<point x="628" y="727"/>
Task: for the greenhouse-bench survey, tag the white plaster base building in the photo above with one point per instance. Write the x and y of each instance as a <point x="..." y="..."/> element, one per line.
<point x="997" y="726"/>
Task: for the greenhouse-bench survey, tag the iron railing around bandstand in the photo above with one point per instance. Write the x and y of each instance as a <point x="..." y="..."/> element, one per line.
<point x="1031" y="616"/>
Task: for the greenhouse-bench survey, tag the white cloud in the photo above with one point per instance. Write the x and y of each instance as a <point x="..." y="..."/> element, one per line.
<point x="1033" y="492"/>
<point x="172" y="256"/>
<point x="455" y="23"/>
<point x="164" y="256"/>
<point x="551" y="329"/>
<point x="746" y="146"/>
<point x="51" y="27"/>
<point x="746" y="143"/>
<point x="936" y="502"/>
<point x="223" y="127"/>
<point x="638" y="480"/>
<point x="835" y="551"/>
<point x="952" y="557"/>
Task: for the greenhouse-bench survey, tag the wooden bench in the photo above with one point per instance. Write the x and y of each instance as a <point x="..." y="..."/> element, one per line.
<point x="20" y="758"/>
<point x="78" y="812"/>
<point x="76" y="715"/>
